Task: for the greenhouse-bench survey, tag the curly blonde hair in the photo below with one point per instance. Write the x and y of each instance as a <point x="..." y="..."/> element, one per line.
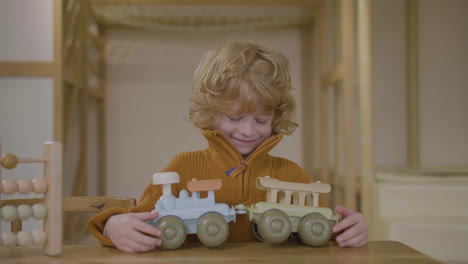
<point x="244" y="73"/>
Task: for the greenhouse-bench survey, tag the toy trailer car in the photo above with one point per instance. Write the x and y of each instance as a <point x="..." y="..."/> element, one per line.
<point x="275" y="221"/>
<point x="191" y="214"/>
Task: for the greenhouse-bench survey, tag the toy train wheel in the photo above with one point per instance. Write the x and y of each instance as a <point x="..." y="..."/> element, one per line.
<point x="256" y="233"/>
<point x="274" y="226"/>
<point x="212" y="229"/>
<point x="172" y="232"/>
<point x="314" y="229"/>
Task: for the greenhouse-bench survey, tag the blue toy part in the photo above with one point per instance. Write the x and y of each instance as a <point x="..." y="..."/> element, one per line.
<point x="187" y="214"/>
<point x="191" y="215"/>
<point x="191" y="208"/>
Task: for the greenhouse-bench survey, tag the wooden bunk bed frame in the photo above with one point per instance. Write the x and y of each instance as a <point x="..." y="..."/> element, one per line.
<point x="84" y="27"/>
<point x="80" y="81"/>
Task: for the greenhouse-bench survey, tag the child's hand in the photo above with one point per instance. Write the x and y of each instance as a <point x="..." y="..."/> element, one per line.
<point x="355" y="228"/>
<point x="131" y="234"/>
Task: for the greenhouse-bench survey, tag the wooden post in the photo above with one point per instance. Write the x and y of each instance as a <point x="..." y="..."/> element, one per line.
<point x="366" y="109"/>
<point x="324" y="97"/>
<point x="26" y="69"/>
<point x="336" y="76"/>
<point x="412" y="84"/>
<point x="102" y="112"/>
<point x="347" y="13"/>
<point x="308" y="100"/>
<point x="84" y="99"/>
<point x="76" y="222"/>
<point x="53" y="198"/>
<point x="57" y="72"/>
<point x="1" y="176"/>
<point x="336" y="93"/>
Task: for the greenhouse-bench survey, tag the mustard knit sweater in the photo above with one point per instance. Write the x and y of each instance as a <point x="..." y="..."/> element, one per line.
<point x="219" y="161"/>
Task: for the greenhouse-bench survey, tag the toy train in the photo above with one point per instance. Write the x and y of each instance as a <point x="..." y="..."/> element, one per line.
<point x="290" y="209"/>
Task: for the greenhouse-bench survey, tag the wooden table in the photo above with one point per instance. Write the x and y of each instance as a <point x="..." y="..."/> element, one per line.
<point x="255" y="252"/>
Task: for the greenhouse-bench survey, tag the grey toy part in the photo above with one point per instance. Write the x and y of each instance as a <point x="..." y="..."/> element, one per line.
<point x="172" y="232"/>
<point x="314" y="229"/>
<point x="212" y="229"/>
<point x="274" y="226"/>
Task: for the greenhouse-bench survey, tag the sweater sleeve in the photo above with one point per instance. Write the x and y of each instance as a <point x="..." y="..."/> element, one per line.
<point x="146" y="203"/>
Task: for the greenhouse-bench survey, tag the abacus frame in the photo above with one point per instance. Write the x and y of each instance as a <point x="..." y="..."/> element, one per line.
<point x="53" y="171"/>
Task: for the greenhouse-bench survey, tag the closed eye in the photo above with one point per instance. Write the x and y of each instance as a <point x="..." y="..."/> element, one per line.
<point x="234" y="118"/>
<point x="262" y="121"/>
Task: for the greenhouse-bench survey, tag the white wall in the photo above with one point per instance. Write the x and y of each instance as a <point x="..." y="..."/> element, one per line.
<point x="26" y="28"/>
<point x="25" y="103"/>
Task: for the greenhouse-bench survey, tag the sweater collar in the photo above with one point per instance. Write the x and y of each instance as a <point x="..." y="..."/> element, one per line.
<point x="223" y="150"/>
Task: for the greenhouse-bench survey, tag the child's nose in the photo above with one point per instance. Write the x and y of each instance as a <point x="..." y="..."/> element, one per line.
<point x="247" y="128"/>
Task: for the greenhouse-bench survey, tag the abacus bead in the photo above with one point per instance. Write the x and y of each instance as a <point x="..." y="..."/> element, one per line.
<point x="39" y="236"/>
<point x="24" y="211"/>
<point x="9" y="239"/>
<point x="9" y="186"/>
<point x="24" y="238"/>
<point x="9" y="213"/>
<point x="9" y="161"/>
<point x="25" y="186"/>
<point x="39" y="185"/>
<point x="39" y="211"/>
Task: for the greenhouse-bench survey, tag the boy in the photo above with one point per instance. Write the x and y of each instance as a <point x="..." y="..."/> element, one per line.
<point x="242" y="103"/>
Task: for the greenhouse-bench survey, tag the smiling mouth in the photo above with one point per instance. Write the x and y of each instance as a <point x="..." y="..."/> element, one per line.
<point x="245" y="141"/>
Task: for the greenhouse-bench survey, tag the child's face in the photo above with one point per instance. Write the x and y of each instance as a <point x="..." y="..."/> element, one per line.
<point x="245" y="131"/>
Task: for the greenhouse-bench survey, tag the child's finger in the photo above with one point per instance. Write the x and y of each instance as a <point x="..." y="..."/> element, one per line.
<point x="348" y="234"/>
<point x="351" y="233"/>
<point x="359" y="230"/>
<point x="135" y="246"/>
<point x="345" y="223"/>
<point x="125" y="249"/>
<point x="146" y="216"/>
<point x="343" y="211"/>
<point x="356" y="241"/>
<point x="148" y="229"/>
<point x="148" y="241"/>
<point x="137" y="238"/>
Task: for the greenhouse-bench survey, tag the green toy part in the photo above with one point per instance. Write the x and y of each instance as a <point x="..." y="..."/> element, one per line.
<point x="9" y="213"/>
<point x="39" y="211"/>
<point x="25" y="211"/>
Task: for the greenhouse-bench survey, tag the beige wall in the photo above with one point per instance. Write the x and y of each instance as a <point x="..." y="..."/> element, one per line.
<point x="443" y="78"/>
<point x="146" y="131"/>
<point x="149" y="87"/>
<point x="444" y="82"/>
<point x="149" y="82"/>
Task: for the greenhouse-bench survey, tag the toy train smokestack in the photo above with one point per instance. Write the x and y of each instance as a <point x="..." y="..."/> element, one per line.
<point x="166" y="179"/>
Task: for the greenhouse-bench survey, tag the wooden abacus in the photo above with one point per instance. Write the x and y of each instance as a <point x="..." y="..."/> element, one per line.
<point x="49" y="209"/>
